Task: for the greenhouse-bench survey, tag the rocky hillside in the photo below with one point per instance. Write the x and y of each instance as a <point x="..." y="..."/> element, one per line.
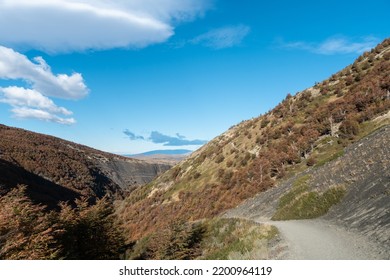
<point x="305" y="130"/>
<point x="57" y="170"/>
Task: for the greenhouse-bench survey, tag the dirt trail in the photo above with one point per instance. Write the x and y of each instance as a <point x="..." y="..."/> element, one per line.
<point x="319" y="240"/>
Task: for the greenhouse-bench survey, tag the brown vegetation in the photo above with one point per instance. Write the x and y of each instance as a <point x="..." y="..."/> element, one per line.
<point x="28" y="231"/>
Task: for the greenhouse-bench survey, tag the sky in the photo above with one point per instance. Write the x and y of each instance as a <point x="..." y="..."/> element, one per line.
<point x="130" y="76"/>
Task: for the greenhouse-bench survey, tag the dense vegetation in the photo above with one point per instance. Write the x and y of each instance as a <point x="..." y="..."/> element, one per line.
<point x="304" y="130"/>
<point x="29" y="231"/>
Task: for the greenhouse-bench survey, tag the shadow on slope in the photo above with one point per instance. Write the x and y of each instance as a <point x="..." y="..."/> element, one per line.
<point x="39" y="189"/>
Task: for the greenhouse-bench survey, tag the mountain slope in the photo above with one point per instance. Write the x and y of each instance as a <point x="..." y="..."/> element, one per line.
<point x="308" y="129"/>
<point x="57" y="170"/>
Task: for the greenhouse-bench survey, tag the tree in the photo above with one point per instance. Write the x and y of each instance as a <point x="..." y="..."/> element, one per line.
<point x="30" y="231"/>
<point x="90" y="232"/>
<point x="177" y="241"/>
<point x="26" y="231"/>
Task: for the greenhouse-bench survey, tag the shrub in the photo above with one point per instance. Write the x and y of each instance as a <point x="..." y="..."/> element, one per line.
<point x="264" y="123"/>
<point x="197" y="175"/>
<point x="175" y="172"/>
<point x="311" y="161"/>
<point x="220" y="158"/>
<point x="349" y="128"/>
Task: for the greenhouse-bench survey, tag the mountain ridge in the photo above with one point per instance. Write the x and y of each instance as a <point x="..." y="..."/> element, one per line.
<point x="45" y="162"/>
<point x="162" y="152"/>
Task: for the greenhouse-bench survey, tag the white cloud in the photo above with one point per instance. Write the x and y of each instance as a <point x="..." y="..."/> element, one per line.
<point x="29" y="113"/>
<point x="77" y="25"/>
<point x="220" y="38"/>
<point x="14" y="66"/>
<point x="21" y="97"/>
<point x="335" y="45"/>
<point x="34" y="102"/>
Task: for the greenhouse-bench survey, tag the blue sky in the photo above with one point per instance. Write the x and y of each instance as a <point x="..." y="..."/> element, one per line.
<point x="133" y="76"/>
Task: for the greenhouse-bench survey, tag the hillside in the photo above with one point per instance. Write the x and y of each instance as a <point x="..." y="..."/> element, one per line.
<point x="57" y="170"/>
<point x="305" y="131"/>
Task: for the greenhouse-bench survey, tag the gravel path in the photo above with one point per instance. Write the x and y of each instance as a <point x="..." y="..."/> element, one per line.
<point x="319" y="240"/>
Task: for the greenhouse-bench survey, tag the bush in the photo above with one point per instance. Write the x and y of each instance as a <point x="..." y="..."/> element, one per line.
<point x="264" y="123"/>
<point x="220" y="158"/>
<point x="349" y="128"/>
<point x="311" y="161"/>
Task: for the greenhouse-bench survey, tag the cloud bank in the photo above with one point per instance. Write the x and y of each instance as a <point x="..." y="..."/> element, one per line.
<point x="34" y="102"/>
<point x="335" y="45"/>
<point x="132" y="136"/>
<point x="59" y="26"/>
<point x="160" y="138"/>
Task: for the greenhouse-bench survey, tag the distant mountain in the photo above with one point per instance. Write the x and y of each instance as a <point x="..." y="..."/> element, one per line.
<point x="163" y="152"/>
<point x="305" y="131"/>
<point x="57" y="170"/>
